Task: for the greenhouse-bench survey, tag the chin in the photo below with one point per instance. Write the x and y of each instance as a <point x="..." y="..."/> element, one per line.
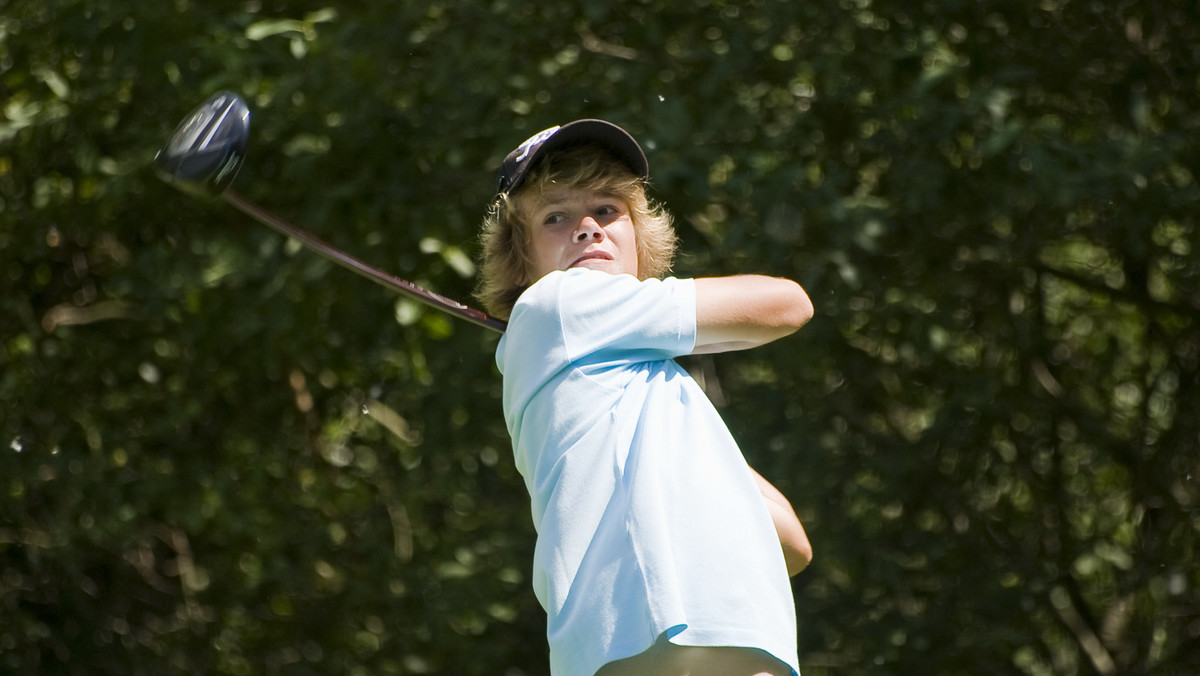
<point x="597" y="264"/>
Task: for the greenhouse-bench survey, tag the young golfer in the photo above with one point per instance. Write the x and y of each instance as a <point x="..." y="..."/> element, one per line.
<point x="659" y="551"/>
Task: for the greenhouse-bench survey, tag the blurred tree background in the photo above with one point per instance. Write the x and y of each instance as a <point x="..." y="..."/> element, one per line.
<point x="220" y="454"/>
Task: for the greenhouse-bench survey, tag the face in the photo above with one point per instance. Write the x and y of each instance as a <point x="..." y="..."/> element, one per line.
<point x="571" y="228"/>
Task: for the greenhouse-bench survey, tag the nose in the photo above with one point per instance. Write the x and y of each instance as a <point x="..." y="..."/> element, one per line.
<point x="589" y="229"/>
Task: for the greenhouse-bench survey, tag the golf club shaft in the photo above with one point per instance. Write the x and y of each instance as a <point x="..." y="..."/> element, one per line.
<point x="404" y="287"/>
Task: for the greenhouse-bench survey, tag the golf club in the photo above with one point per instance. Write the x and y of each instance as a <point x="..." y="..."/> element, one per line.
<point x="202" y="158"/>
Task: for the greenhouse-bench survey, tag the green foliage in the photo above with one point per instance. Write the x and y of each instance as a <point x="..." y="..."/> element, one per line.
<point x="220" y="454"/>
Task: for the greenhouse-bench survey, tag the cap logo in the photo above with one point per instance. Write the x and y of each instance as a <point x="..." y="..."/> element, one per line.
<point x="534" y="141"/>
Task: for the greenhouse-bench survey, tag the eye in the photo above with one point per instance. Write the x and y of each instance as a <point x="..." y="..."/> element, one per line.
<point x="554" y="218"/>
<point x="607" y="212"/>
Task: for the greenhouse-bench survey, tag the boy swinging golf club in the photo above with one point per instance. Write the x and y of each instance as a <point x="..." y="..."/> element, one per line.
<point x="660" y="551"/>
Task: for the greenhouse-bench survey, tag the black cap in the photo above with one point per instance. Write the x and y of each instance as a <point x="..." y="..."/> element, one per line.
<point x="615" y="139"/>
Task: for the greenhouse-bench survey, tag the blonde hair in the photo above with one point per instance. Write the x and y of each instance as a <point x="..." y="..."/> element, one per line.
<point x="504" y="268"/>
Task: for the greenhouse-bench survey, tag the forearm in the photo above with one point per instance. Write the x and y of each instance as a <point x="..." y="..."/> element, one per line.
<point x="797" y="550"/>
<point x="744" y="311"/>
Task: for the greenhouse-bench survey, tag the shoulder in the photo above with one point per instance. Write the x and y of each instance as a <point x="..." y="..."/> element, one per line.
<point x="571" y="280"/>
<point x="586" y="281"/>
<point x="572" y="290"/>
<point x="589" y="311"/>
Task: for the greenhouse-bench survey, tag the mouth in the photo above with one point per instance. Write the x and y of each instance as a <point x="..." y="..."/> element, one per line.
<point x="592" y="256"/>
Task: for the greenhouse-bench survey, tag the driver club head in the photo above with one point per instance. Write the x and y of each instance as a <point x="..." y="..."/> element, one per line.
<point x="204" y="154"/>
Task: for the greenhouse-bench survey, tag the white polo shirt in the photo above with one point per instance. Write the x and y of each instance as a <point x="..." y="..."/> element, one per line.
<point x="648" y="517"/>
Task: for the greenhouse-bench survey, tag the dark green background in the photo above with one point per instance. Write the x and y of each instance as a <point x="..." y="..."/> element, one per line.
<point x="220" y="454"/>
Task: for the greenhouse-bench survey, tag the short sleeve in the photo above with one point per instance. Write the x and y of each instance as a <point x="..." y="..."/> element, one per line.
<point x="593" y="313"/>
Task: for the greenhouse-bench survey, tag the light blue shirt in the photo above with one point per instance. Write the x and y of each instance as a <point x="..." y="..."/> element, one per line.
<point x="649" y="520"/>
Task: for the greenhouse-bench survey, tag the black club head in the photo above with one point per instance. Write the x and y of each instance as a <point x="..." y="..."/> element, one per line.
<point x="204" y="154"/>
